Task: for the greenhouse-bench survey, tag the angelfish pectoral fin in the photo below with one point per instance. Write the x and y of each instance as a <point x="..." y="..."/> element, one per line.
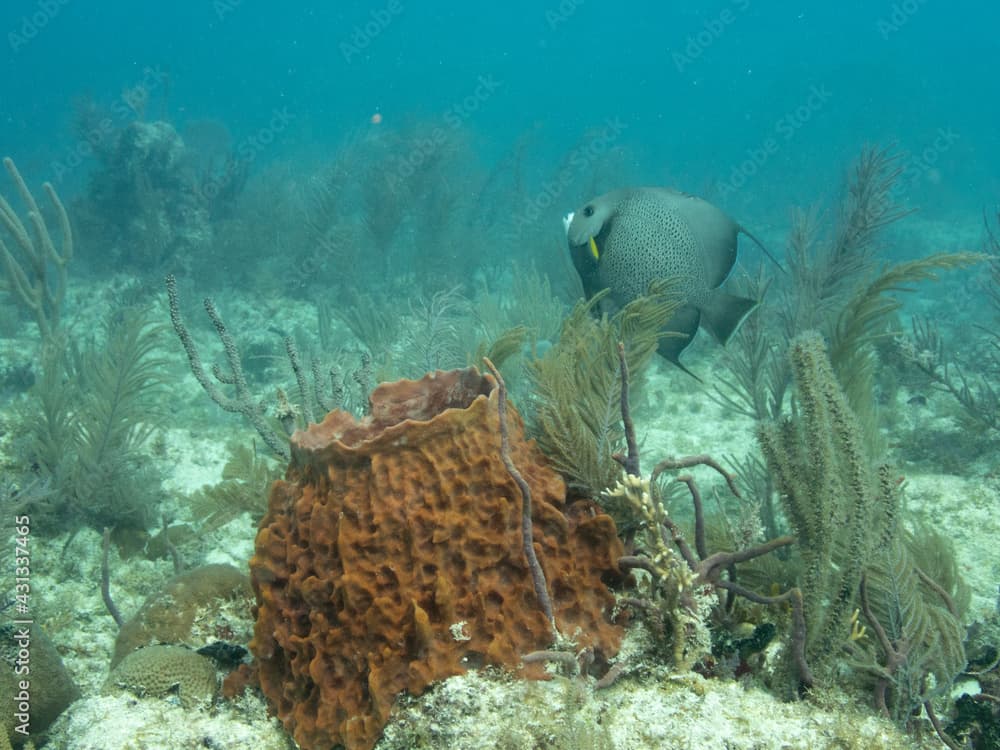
<point x="679" y="332"/>
<point x="724" y="313"/>
<point x="593" y="249"/>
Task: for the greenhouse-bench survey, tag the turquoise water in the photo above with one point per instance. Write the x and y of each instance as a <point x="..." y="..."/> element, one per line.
<point x="373" y="190"/>
<point x="699" y="87"/>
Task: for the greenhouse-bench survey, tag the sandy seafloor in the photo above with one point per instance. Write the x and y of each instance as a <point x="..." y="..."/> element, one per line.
<point x="648" y="708"/>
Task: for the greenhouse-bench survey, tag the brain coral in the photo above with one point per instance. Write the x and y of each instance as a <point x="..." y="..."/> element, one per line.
<point x="391" y="557"/>
<point x="160" y="671"/>
<point x="196" y="607"/>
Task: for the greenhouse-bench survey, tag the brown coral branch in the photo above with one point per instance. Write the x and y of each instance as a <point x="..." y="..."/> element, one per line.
<point x="894" y="657"/>
<point x="680" y="542"/>
<point x="106" y="580"/>
<point x="638" y="562"/>
<point x="175" y="554"/>
<point x="986" y="698"/>
<point x="794" y="597"/>
<point x="687" y="462"/>
<point x="699" y="515"/>
<point x="244" y="402"/>
<point x="708" y="568"/>
<point x="936" y="723"/>
<point x="630" y="461"/>
<point x="610" y="677"/>
<point x="527" y="537"/>
<point x="564" y="658"/>
<point x="300" y="379"/>
<point x="934" y="586"/>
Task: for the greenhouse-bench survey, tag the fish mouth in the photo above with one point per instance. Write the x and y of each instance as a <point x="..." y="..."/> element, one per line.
<point x="567" y="220"/>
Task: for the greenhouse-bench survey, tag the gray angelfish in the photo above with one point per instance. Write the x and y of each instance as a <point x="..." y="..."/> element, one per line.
<point x="625" y="239"/>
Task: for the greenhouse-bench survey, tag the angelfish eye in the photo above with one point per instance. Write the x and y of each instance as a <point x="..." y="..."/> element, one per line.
<point x="588" y="211"/>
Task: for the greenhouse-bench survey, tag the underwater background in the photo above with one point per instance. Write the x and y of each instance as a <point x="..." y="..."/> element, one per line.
<point x="697" y="86"/>
<point x="364" y="192"/>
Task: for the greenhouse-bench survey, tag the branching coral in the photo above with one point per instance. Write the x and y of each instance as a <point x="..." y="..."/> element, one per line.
<point x="845" y="509"/>
<point x="841" y="506"/>
<point x="38" y="280"/>
<point x="686" y="581"/>
<point x="242" y="402"/>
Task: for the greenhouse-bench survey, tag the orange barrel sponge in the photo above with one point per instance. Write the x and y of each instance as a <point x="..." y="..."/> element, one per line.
<point x="391" y="556"/>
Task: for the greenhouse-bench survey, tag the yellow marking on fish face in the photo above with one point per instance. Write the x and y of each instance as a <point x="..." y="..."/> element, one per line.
<point x="593" y="249"/>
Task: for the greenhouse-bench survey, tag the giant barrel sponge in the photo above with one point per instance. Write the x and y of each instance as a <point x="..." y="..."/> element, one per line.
<point x="391" y="556"/>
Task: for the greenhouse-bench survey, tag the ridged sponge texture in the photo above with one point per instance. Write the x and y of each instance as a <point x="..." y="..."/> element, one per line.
<point x="391" y="557"/>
